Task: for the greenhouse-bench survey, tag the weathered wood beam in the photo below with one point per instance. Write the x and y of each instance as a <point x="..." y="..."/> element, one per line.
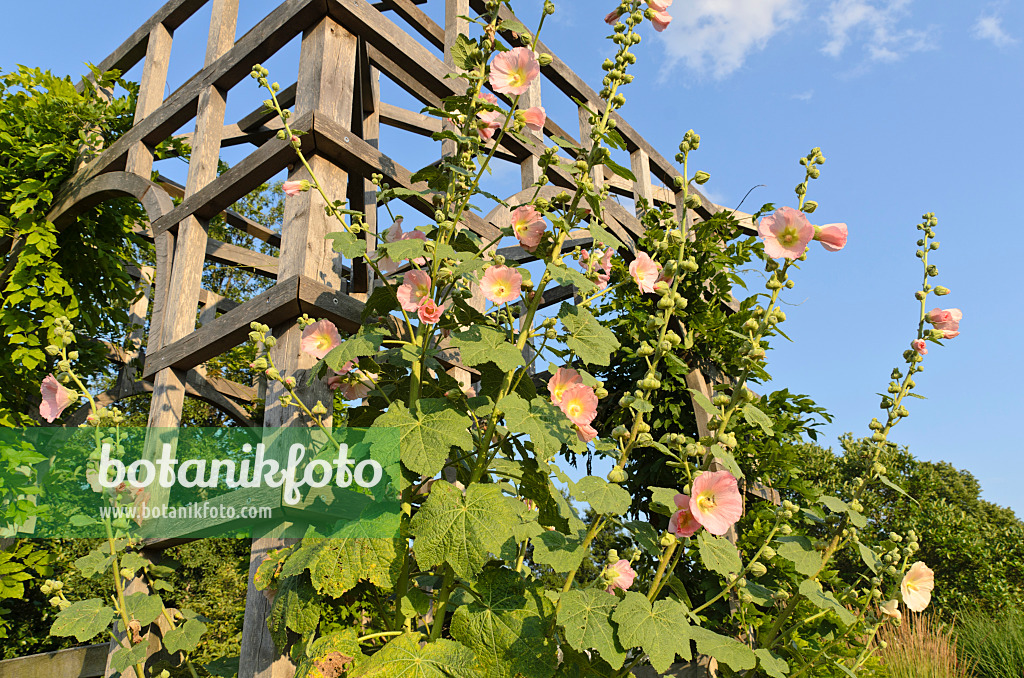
<point x="410" y="121"/>
<point x="233" y="218"/>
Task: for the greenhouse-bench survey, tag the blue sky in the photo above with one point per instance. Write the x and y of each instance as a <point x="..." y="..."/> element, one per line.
<point x="916" y="106"/>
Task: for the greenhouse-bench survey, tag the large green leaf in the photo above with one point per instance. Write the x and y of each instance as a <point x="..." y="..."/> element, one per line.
<point x="603" y="497"/>
<point x="586" y="617"/>
<point x="366" y="341"/>
<point x="125" y="657"/>
<point x="663" y="500"/>
<point x="812" y="590"/>
<point x="546" y="425"/>
<point x="570" y="276"/>
<point x="719" y="554"/>
<point x="726" y="650"/>
<point x="799" y="551"/>
<point x="480" y="344"/>
<point x="756" y="417"/>
<point x="428" y="433"/>
<point x="185" y="638"/>
<point x="143" y="607"/>
<point x="773" y="665"/>
<point x="296" y="607"/>
<point x="329" y="656"/>
<point x="661" y="630"/>
<point x="337" y="565"/>
<point x="83" y="620"/>
<point x="505" y="627"/>
<point x="461" y="530"/>
<point x="406" y="657"/>
<point x="587" y="338"/>
<point x="348" y="244"/>
<point x="560" y="553"/>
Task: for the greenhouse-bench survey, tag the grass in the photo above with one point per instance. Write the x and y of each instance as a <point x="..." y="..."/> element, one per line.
<point x="921" y="647"/>
<point x="995" y="646"/>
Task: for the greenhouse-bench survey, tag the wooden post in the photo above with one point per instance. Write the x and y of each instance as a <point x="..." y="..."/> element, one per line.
<point x="326" y="85"/>
<point x="586" y="143"/>
<point x="366" y="123"/>
<point x="641" y="164"/>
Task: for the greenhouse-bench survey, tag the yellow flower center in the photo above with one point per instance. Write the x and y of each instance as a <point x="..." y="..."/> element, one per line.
<point x="789" y="236"/>
<point x="323" y="341"/>
<point x="574" y="408"/>
<point x="517" y="77"/>
<point x="705" y="502"/>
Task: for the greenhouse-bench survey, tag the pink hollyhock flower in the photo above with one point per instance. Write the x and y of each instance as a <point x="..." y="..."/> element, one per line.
<point x="56" y="398"/>
<point x="579" y="403"/>
<point x="613" y="17"/>
<point x="489" y="98"/>
<point x="920" y="346"/>
<point x="360" y="387"/>
<point x="831" y="236"/>
<point x="502" y="284"/>
<point x="644" y="271"/>
<point x="414" y="289"/>
<point x="948" y="321"/>
<point x="715" y="501"/>
<point x="917" y="586"/>
<point x="320" y="338"/>
<point x="429" y="312"/>
<point x="292" y="188"/>
<point x="335" y="382"/>
<point x="513" y="71"/>
<point x="683" y="523"/>
<point x="659" y="5"/>
<point x="785" y="232"/>
<point x="563" y="378"/>
<point x="891" y="609"/>
<point x="604" y="266"/>
<point x="535" y="118"/>
<point x="491" y="123"/>
<point x="586" y="433"/>
<point x="528" y="225"/>
<point x="661" y="20"/>
<point x="394" y="234"/>
<point x="620" y="576"/>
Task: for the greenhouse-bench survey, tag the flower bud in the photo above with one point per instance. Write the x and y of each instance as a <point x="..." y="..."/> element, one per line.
<point x="767" y="553"/>
<point x="273" y="374"/>
<point x="319" y="408"/>
<point x="941" y="291"/>
<point x="667" y="540"/>
<point x="810" y="206"/>
<point x="701" y="177"/>
<point x="544" y="59"/>
<point x="618" y="476"/>
<point x="757" y="569"/>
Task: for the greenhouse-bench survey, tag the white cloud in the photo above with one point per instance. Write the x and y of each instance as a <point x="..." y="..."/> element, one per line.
<point x="990" y="27"/>
<point x="714" y="37"/>
<point x="876" y="24"/>
<point x="804" y="96"/>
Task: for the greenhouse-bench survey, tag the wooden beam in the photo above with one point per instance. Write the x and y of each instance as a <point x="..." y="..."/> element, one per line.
<point x="233" y="218"/>
<point x="80" y="662"/>
<point x="410" y="121"/>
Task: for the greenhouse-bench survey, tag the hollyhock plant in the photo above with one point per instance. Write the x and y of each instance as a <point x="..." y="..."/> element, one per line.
<point x="683" y="523"/>
<point x="916" y="587"/>
<point x="320" y="338"/>
<point x="394" y="234"/>
<point x="644" y="271"/>
<point x="831" y="236"/>
<point x="659" y="5"/>
<point x="946" y="321"/>
<point x="528" y="226"/>
<point x="293" y="188"/>
<point x="586" y="433"/>
<point x="490" y="122"/>
<point x="619" y="576"/>
<point x="920" y="346"/>
<point x="428" y="311"/>
<point x="534" y="117"/>
<point x="715" y="501"/>
<point x="579" y="403"/>
<point x="660" y="20"/>
<point x="785" y="232"/>
<point x="513" y="71"/>
<point x="56" y="398"/>
<point x="414" y="289"/>
<point x="613" y="17"/>
<point x="501" y="284"/>
<point x="891" y="609"/>
<point x="358" y="385"/>
<point x="563" y="378"/>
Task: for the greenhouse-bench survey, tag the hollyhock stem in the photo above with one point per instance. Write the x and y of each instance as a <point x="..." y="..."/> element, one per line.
<point x="595" y="528"/>
<point x="666" y="555"/>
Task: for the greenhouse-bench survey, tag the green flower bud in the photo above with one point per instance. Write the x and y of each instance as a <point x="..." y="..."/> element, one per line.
<point x="767" y="553"/>
<point x="810" y="206"/>
<point x="544" y="59"/>
<point x="667" y="540"/>
<point x="757" y="569"/>
<point x="941" y="291"/>
<point x="701" y="177"/>
<point x="319" y="409"/>
<point x="273" y="374"/>
<point x="618" y="476"/>
<point x="785" y="529"/>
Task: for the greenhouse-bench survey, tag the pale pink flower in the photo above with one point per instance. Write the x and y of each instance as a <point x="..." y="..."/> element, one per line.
<point x="948" y="321"/>
<point x="659" y="5"/>
<point x="56" y="398"/>
<point x="535" y="118"/>
<point x="490" y="122"/>
<point x="414" y="289"/>
<point x="644" y="271"/>
<point x="920" y="346"/>
<point x="661" y="20"/>
<point x="831" y="236"/>
<point x="891" y="609"/>
<point x="528" y="225"/>
<point x="502" y="284"/>
<point x="320" y="338"/>
<point x="604" y="266"/>
<point x="489" y="98"/>
<point x="358" y="387"/>
<point x="429" y="312"/>
<point x="579" y="403"/>
<point x="513" y="71"/>
<point x="715" y="501"/>
<point x="394" y="234"/>
<point x="586" y="433"/>
<point x="620" y="576"/>
<point x="346" y="368"/>
<point x="563" y="378"/>
<point x="917" y="586"/>
<point x="335" y="382"/>
<point x="292" y="188"/>
<point x="613" y="16"/>
<point x="683" y="523"/>
<point x="785" y="232"/>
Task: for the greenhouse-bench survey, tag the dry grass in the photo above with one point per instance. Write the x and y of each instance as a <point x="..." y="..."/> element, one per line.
<point x="921" y="647"/>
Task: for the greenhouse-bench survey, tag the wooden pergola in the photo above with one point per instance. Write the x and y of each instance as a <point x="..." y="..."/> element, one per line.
<point x="347" y="46"/>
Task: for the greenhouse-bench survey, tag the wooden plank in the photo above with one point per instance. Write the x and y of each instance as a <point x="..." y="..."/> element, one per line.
<point x="233" y="218"/>
<point x="151" y="94"/>
<point x="420" y="22"/>
<point x="642" y="188"/>
<point x="229" y="187"/>
<point x="410" y="121"/>
<point x="76" y="662"/>
<point x="366" y="118"/>
<point x="262" y="116"/>
<point x="243" y="258"/>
